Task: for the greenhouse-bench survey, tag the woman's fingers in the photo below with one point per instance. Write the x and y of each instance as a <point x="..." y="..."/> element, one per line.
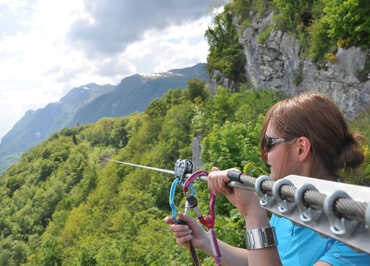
<point x="174" y="228"/>
<point x="182" y="232"/>
<point x="222" y="183"/>
<point x="217" y="181"/>
<point x="169" y="220"/>
<point x="183" y="240"/>
<point x="187" y="219"/>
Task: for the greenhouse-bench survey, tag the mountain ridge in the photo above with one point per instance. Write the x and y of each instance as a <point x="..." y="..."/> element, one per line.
<point x="137" y="86"/>
<point x="89" y="103"/>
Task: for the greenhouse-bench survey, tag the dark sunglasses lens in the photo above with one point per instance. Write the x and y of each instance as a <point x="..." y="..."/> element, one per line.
<point x="267" y="143"/>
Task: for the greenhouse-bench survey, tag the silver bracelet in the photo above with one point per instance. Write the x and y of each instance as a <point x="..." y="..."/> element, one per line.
<point x="258" y="238"/>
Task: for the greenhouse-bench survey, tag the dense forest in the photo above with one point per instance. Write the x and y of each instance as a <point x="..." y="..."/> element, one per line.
<point x="89" y="103"/>
<point x="61" y="204"/>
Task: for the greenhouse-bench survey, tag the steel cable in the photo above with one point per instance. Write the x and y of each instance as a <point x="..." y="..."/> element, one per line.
<point x="345" y="207"/>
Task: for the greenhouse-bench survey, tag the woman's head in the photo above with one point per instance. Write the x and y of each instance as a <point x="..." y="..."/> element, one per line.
<point x="315" y="119"/>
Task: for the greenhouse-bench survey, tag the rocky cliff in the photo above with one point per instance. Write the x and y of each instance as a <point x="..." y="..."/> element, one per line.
<point x="273" y="62"/>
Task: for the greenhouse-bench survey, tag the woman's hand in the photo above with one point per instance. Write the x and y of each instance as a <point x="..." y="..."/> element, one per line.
<point x="246" y="201"/>
<point x="191" y="231"/>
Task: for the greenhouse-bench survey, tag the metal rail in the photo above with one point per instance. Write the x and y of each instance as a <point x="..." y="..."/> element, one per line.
<point x="336" y="215"/>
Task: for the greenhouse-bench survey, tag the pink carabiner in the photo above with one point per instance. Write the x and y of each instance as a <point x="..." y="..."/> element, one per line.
<point x="208" y="221"/>
<point x="192" y="177"/>
<point x="215" y="248"/>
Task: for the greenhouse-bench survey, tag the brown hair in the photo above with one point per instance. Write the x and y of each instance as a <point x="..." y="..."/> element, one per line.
<point x="317" y="118"/>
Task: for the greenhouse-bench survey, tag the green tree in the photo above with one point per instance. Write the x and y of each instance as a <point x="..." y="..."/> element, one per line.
<point x="348" y="20"/>
<point x="196" y="89"/>
<point x="51" y="253"/>
<point x="225" y="52"/>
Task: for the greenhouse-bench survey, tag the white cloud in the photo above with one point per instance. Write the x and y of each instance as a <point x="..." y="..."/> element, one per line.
<point x="173" y="47"/>
<point x="39" y="63"/>
<point x="118" y="23"/>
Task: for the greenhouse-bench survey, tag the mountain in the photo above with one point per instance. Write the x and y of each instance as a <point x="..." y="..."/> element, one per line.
<point x="35" y="126"/>
<point x="88" y="104"/>
<point x="135" y="92"/>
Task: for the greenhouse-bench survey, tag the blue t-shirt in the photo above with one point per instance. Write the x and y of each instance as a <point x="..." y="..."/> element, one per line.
<point x="299" y="245"/>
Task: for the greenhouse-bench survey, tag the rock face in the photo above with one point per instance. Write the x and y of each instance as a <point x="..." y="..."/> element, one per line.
<point x="274" y="63"/>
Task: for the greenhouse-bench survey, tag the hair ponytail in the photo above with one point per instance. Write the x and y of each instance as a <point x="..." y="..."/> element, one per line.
<point x="350" y="156"/>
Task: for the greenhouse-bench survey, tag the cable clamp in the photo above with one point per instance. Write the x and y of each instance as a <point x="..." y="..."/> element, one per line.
<point x="306" y="213"/>
<point x="266" y="200"/>
<point x="183" y="167"/>
<point x="338" y="225"/>
<point x="284" y="206"/>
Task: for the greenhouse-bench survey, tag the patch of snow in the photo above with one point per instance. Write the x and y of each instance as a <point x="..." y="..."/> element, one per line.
<point x="159" y="75"/>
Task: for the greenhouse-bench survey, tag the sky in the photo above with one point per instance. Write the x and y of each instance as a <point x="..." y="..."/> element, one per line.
<point x="48" y="47"/>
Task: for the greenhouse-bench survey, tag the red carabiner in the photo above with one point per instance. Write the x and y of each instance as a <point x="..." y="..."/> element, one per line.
<point x="209" y="221"/>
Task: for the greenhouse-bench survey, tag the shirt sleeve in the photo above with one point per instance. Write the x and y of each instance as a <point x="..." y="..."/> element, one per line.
<point x="340" y="254"/>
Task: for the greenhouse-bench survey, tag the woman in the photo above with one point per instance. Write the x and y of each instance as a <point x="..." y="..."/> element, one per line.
<point x="305" y="135"/>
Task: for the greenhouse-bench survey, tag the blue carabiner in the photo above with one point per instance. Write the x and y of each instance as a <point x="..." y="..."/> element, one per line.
<point x="172" y="197"/>
<point x="174" y="213"/>
<point x="193" y="189"/>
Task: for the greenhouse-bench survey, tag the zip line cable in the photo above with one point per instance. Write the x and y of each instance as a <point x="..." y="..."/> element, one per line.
<point x="144" y="167"/>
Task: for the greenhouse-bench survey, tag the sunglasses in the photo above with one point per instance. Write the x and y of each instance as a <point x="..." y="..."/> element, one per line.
<point x="269" y="142"/>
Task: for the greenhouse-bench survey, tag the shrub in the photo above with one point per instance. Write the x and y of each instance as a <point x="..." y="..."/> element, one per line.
<point x="320" y="42"/>
<point x="348" y="19"/>
<point x="343" y="43"/>
<point x="265" y="34"/>
<point x="332" y="58"/>
<point x="225" y="52"/>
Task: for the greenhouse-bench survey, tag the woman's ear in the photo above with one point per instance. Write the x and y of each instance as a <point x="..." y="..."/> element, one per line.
<point x="303" y="146"/>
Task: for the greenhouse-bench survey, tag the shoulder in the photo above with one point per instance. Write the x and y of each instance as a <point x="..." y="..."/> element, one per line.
<point x="341" y="254"/>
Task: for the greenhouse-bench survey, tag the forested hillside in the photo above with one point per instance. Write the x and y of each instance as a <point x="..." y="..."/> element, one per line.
<point x="32" y="128"/>
<point x="62" y="205"/>
<point x="90" y="103"/>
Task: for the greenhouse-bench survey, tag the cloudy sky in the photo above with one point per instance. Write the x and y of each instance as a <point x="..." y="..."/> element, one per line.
<point x="48" y="47"/>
